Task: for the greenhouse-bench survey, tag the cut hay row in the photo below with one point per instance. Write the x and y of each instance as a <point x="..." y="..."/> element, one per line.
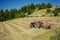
<point x="16" y="34"/>
<point x="22" y="24"/>
<point x="19" y="25"/>
<point x="3" y="33"/>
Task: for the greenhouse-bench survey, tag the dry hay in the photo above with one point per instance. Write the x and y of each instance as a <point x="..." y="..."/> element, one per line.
<point x="18" y="29"/>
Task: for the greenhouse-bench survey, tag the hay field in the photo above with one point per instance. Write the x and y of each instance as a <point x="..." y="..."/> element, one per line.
<point x="18" y="29"/>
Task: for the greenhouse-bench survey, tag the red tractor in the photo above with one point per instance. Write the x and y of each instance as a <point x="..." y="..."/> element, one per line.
<point x="46" y="25"/>
<point x="36" y="24"/>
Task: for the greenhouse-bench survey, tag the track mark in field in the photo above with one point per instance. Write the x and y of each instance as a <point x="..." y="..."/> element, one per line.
<point x="14" y="33"/>
<point x="23" y="24"/>
<point x="24" y="32"/>
<point x="19" y="27"/>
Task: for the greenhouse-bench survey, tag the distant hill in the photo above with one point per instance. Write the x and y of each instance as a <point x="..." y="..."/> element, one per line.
<point x="41" y="12"/>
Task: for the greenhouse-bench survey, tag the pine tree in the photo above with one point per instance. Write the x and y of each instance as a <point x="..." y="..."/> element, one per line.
<point x="49" y="5"/>
<point x="2" y="15"/>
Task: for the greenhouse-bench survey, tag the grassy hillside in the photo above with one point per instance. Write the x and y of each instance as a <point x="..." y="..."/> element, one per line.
<point x="18" y="29"/>
<point x="41" y="12"/>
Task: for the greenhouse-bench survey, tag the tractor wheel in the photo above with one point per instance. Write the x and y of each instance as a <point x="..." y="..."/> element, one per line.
<point x="49" y="27"/>
<point x="31" y="26"/>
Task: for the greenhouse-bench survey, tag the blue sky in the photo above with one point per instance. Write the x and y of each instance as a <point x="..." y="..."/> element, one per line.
<point x="8" y="4"/>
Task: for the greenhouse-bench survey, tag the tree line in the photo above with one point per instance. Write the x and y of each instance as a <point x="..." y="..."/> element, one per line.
<point x="55" y="12"/>
<point x="23" y="12"/>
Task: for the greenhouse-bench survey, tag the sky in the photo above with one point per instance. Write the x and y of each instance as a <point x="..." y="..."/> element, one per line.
<point x="10" y="4"/>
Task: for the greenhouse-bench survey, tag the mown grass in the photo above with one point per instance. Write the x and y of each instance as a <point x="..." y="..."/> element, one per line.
<point x="15" y="29"/>
<point x="57" y="36"/>
<point x="53" y="34"/>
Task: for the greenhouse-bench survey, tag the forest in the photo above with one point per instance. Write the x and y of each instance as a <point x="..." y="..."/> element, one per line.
<point x="25" y="11"/>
